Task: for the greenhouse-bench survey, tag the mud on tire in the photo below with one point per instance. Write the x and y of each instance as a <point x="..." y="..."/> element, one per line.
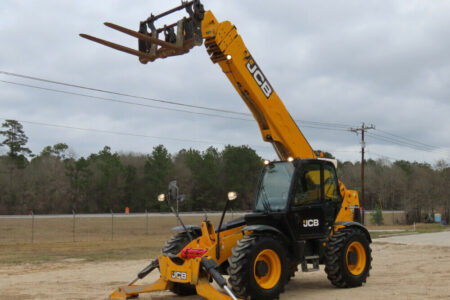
<point x="348" y="258"/>
<point x="257" y="267"/>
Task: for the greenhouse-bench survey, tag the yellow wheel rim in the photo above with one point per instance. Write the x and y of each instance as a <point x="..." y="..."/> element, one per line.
<point x="273" y="274"/>
<point x="358" y="249"/>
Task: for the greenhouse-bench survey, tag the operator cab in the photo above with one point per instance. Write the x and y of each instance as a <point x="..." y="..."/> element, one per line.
<point x="303" y="193"/>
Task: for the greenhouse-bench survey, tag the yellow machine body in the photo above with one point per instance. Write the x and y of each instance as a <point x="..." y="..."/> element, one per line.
<point x="191" y="268"/>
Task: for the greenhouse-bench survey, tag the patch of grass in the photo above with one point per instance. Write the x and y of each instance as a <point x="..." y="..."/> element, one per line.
<point x="124" y="249"/>
<point x="428" y="228"/>
<point x="53" y="239"/>
<point x="407" y="229"/>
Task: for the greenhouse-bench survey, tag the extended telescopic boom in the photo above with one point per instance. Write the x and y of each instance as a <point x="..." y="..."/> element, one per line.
<point x="226" y="48"/>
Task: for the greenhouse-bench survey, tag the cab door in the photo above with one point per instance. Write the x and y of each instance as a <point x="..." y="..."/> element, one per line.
<point x="332" y="199"/>
<point x="307" y="203"/>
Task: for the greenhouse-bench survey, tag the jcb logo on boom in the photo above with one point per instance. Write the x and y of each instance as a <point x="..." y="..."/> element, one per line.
<point x="258" y="75"/>
<point x="311" y="223"/>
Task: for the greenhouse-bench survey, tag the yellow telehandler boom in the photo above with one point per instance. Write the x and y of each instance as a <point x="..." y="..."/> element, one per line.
<point x="226" y="48"/>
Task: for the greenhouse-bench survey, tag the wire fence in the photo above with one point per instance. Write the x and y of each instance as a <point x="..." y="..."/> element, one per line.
<point x="34" y="228"/>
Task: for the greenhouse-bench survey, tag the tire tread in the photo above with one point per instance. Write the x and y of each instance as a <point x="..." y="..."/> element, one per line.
<point x="334" y="253"/>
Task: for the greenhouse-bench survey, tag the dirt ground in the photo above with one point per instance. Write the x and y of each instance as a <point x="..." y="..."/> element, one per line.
<point x="400" y="271"/>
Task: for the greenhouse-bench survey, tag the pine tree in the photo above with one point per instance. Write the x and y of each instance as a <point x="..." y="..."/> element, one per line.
<point x="15" y="140"/>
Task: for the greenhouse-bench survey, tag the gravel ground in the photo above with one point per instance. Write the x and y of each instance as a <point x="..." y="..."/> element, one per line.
<point x="413" y="271"/>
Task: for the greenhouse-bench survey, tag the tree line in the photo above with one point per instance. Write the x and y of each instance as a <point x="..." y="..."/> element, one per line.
<point x="54" y="181"/>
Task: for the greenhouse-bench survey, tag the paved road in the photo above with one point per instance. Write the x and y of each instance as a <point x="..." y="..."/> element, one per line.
<point x="433" y="239"/>
<point x="122" y="215"/>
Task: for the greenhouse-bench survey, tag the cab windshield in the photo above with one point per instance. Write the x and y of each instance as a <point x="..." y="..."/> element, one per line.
<point x="274" y="188"/>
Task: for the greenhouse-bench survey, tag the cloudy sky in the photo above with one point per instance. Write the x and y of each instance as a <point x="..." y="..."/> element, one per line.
<point x="385" y="63"/>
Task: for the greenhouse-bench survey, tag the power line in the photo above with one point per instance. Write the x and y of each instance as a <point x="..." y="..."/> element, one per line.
<point x="398" y="142"/>
<point x="323" y="127"/>
<point x="208" y="142"/>
<point x="126" y="133"/>
<point x="392" y="138"/>
<point x="341" y="125"/>
<point x="406" y="144"/>
<point x="407" y="139"/>
<point x="121" y="101"/>
<point x="352" y="151"/>
<point x="320" y="125"/>
<point x="117" y="93"/>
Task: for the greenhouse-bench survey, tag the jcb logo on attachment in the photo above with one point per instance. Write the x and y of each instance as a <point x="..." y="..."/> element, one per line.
<point x="179" y="275"/>
<point x="311" y="223"/>
<point x="259" y="77"/>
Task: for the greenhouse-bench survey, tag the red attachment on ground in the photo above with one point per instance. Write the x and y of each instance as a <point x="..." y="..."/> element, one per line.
<point x="188" y="253"/>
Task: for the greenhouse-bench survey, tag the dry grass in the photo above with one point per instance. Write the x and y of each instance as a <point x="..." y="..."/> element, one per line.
<point x="53" y="238"/>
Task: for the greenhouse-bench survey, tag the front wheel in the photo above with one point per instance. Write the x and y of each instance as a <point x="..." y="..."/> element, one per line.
<point x="258" y="267"/>
<point x="348" y="258"/>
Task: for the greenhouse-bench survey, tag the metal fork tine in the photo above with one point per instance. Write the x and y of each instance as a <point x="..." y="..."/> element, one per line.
<point x="183" y="34"/>
<point x="143" y="36"/>
<point x="118" y="47"/>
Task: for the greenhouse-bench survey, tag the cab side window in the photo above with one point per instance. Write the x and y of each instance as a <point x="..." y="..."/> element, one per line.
<point x="307" y="189"/>
<point x="330" y="184"/>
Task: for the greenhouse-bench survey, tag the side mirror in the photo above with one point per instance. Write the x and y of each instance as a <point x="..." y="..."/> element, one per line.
<point x="232" y="196"/>
<point x="161" y="197"/>
<point x="173" y="190"/>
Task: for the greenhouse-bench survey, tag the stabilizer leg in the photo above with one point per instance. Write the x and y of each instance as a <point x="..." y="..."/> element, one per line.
<point x="130" y="291"/>
<point x="207" y="291"/>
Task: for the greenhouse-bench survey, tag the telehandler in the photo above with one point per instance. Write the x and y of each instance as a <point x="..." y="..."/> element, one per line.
<point x="303" y="214"/>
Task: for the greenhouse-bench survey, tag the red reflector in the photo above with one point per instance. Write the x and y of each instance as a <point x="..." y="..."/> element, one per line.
<point x="192" y="253"/>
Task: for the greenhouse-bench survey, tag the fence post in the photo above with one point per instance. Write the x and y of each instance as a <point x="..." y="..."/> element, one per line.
<point x="73" y="226"/>
<point x="112" y="225"/>
<point x="32" y="227"/>
<point x="232" y="214"/>
<point x="146" y="222"/>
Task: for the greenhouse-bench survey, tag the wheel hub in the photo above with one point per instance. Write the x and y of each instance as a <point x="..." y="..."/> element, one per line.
<point x="356" y="258"/>
<point x="352" y="258"/>
<point x="267" y="269"/>
<point x="261" y="268"/>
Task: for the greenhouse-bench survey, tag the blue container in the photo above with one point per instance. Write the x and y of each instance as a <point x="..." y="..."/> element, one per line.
<point x="437" y="218"/>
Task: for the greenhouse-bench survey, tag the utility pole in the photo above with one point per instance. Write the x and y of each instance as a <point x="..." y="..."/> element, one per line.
<point x="362" y="129"/>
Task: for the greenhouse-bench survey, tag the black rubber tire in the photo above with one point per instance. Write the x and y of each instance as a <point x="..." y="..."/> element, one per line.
<point x="292" y="269"/>
<point x="336" y="262"/>
<point x="242" y="280"/>
<point x="174" y="246"/>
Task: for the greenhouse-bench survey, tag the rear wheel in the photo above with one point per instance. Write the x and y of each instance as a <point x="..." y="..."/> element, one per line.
<point x="348" y="258"/>
<point x="258" y="267"/>
<point x="291" y="271"/>
<point x="174" y="246"/>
